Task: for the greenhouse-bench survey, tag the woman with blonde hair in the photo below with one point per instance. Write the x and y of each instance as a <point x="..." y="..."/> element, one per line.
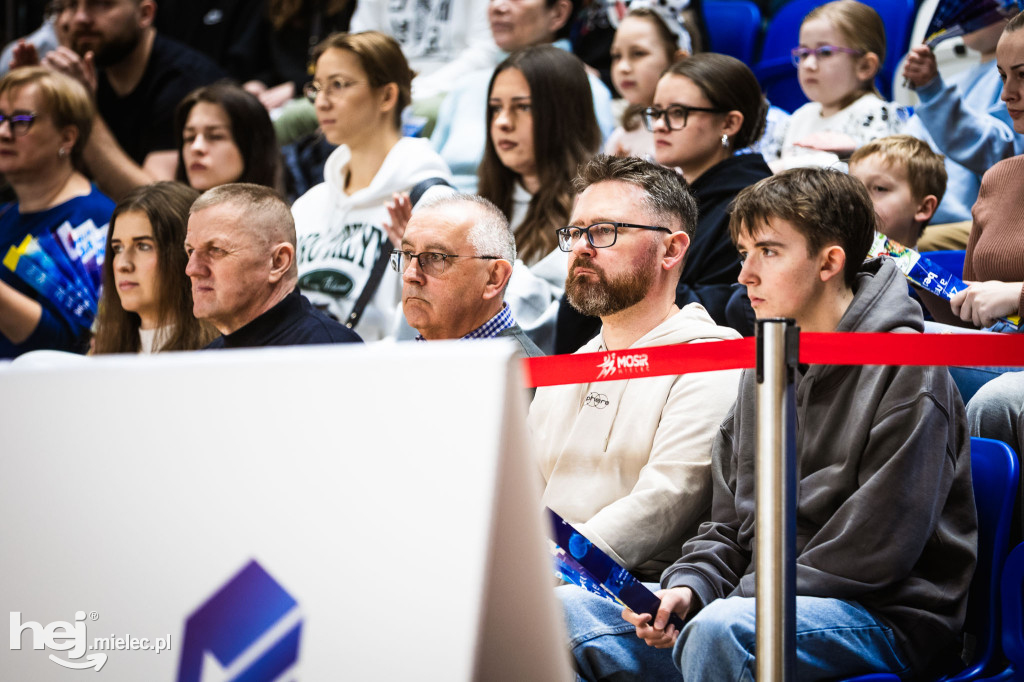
<point x="45" y="120"/>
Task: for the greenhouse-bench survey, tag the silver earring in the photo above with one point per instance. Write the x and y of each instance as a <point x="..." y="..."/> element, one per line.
<point x="61" y="153"/>
<point x="725" y="141"/>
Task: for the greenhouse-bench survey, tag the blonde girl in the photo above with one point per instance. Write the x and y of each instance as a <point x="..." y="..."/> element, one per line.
<point x="842" y="46"/>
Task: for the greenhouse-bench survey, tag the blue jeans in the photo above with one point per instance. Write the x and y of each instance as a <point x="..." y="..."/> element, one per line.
<point x="834" y="639"/>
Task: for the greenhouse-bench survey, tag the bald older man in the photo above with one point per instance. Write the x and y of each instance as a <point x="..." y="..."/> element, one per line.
<point x="456" y="260"/>
<point x="241" y="260"/>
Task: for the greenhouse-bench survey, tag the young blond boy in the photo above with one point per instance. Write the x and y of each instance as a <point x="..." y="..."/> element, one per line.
<point x="905" y="180"/>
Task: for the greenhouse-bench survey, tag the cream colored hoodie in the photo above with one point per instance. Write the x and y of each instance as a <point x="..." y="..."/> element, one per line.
<point x="628" y="462"/>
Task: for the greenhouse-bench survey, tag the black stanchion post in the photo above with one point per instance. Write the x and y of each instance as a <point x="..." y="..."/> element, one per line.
<point x="775" y="499"/>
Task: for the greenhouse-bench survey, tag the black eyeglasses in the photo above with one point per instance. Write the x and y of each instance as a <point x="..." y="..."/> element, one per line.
<point x="799" y="54"/>
<point x="676" y="115"/>
<point x="599" y="235"/>
<point x="431" y="262"/>
<point x="20" y="121"/>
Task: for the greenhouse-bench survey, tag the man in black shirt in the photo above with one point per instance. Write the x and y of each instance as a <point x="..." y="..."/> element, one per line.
<point x="138" y="77"/>
<point x="241" y="260"/>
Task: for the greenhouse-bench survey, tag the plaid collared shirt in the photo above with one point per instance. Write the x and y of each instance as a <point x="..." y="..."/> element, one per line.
<point x="494" y="326"/>
<point x="491" y="328"/>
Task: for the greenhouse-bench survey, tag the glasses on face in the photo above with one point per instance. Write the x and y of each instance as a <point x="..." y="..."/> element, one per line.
<point x="333" y="89"/>
<point x="799" y="54"/>
<point x="676" y="115"/>
<point x="430" y="262"/>
<point x="599" y="235"/>
<point x="19" y="121"/>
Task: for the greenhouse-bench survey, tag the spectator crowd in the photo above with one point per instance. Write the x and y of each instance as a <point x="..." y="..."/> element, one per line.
<point x="572" y="176"/>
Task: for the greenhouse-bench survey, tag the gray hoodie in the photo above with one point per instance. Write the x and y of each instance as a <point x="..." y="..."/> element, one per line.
<point x="885" y="509"/>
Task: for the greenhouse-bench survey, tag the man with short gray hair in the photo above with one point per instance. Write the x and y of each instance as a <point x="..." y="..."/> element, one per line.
<point x="241" y="260"/>
<point x="455" y="260"/>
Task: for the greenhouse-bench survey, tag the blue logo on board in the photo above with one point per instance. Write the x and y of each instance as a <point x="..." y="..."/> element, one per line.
<point x="249" y="630"/>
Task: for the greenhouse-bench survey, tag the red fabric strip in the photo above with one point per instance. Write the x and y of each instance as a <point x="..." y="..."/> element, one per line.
<point x="642" y="362"/>
<point x="972" y="350"/>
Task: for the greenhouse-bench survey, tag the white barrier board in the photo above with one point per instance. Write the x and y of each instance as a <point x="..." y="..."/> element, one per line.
<point x="348" y="512"/>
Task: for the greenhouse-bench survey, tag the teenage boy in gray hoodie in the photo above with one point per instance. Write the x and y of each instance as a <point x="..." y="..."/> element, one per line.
<point x="886" y="525"/>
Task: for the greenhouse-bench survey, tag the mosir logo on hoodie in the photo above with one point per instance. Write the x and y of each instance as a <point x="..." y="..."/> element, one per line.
<point x="630" y="364"/>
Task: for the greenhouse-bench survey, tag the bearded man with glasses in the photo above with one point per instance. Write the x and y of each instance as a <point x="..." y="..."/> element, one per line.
<point x="628" y="461"/>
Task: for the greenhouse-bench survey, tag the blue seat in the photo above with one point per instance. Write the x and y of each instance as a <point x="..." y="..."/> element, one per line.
<point x="995" y="471"/>
<point x="733" y="27"/>
<point x="949" y="260"/>
<point x="1012" y="588"/>
<point x="775" y="70"/>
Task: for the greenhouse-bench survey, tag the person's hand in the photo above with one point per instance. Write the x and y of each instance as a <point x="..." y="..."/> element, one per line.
<point x="254" y="87"/>
<point x="661" y="634"/>
<point x="920" y="67"/>
<point x="399" y="212"/>
<point x="68" y="62"/>
<point x="839" y="144"/>
<point x="982" y="303"/>
<point x="24" y="54"/>
<point x="277" y="96"/>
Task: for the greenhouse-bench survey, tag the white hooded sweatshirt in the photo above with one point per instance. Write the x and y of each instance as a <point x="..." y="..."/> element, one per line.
<point x="340" y="235"/>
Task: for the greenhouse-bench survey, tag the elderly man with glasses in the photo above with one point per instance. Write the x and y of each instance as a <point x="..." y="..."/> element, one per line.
<point x="455" y="260"/>
<point x="628" y="461"/>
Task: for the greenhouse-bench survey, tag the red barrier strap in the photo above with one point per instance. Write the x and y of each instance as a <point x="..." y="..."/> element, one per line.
<point x="971" y="350"/>
<point x="641" y="362"/>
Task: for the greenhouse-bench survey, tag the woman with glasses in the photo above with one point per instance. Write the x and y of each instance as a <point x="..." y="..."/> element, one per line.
<point x="225" y="135"/>
<point x="705" y="108"/>
<point x="45" y="120"/>
<point x="360" y="86"/>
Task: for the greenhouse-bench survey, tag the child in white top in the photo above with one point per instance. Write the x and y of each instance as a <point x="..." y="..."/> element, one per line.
<point x="842" y="46"/>
<point x="643" y="48"/>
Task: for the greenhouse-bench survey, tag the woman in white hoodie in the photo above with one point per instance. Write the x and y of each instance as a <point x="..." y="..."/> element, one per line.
<point x="360" y="86"/>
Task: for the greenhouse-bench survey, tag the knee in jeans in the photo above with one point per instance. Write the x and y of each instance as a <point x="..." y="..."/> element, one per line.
<point x="723" y="623"/>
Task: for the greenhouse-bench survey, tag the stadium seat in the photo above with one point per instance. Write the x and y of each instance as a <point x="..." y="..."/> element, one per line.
<point x="948" y="260"/>
<point x="1013" y="615"/>
<point x="776" y="72"/>
<point x="733" y="27"/>
<point x="995" y="470"/>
